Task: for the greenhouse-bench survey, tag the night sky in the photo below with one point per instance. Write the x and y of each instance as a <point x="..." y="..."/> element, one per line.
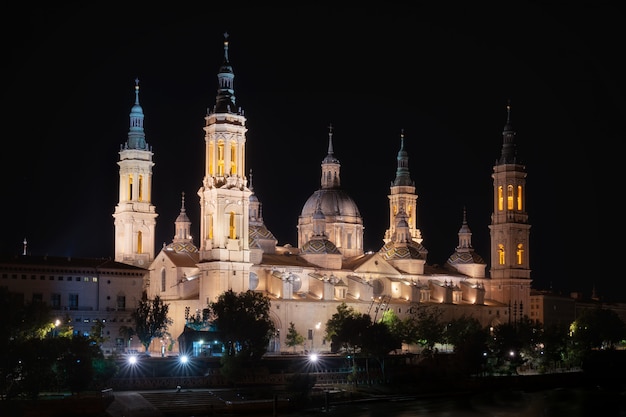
<point x="443" y="75"/>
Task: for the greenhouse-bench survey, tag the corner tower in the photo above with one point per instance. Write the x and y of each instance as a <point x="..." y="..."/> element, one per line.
<point x="510" y="230"/>
<point x="224" y="195"/>
<point x="135" y="215"/>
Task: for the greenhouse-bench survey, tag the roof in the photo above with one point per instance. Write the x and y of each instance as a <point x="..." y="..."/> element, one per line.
<point x="68" y="262"/>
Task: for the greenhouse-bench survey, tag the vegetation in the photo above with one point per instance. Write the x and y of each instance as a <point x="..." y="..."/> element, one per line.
<point x="151" y="320"/>
<point x="244" y="323"/>
<point x="293" y="338"/>
<point x="40" y="355"/>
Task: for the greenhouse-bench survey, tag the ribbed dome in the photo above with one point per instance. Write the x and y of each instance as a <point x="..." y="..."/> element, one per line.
<point x="333" y="202"/>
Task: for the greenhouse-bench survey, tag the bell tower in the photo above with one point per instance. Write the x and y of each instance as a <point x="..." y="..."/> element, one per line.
<point x="135" y="215"/>
<point x="510" y="230"/>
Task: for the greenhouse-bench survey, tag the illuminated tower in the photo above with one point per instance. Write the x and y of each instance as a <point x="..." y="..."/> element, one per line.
<point x="509" y="229"/>
<point x="402" y="197"/>
<point x="224" y="195"/>
<point x="135" y="216"/>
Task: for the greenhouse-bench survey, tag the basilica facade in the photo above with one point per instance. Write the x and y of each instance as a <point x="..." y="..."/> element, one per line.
<point x="236" y="251"/>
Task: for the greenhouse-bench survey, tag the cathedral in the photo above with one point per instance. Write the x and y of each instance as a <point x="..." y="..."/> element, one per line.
<point x="236" y="251"/>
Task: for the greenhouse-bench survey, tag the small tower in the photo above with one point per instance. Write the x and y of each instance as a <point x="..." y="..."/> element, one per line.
<point x="403" y="197"/>
<point x="135" y="215"/>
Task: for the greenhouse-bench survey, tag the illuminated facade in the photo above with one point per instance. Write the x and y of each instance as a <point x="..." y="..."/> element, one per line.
<point x="328" y="267"/>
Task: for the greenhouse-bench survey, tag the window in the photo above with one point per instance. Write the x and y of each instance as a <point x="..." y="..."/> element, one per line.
<point x="519" y="197"/>
<point x="55" y="301"/>
<point x="139" y="242"/>
<point x="500" y="199"/>
<point x="121" y="302"/>
<point x="163" y="280"/>
<point x="509" y="197"/>
<point x="500" y="253"/>
<point x="37" y="298"/>
<point x="73" y="301"/>
<point x="220" y="160"/>
<point x="233" y="159"/>
<point x="140" y="188"/>
<point x="233" y="233"/>
<point x="520" y="253"/>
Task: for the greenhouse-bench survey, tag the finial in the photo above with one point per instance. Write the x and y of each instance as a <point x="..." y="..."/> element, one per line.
<point x="182" y="209"/>
<point x="136" y="90"/>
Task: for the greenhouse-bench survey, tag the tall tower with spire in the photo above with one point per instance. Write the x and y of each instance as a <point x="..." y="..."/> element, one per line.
<point x="135" y="215"/>
<point x="402" y="197"/>
<point x="224" y="195"/>
<point x="509" y="229"/>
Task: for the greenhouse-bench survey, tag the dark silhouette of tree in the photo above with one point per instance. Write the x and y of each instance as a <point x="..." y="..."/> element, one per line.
<point x="427" y="329"/>
<point x="597" y="328"/>
<point x="293" y="338"/>
<point x="377" y="342"/>
<point x="151" y="320"/>
<point x="469" y="340"/>
<point x="244" y="322"/>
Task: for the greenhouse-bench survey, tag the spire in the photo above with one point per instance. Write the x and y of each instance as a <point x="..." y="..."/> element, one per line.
<point x="509" y="151"/>
<point x="225" y="101"/>
<point x="136" y="134"/>
<point x="330" y="165"/>
<point x="182" y="224"/>
<point x="403" y="177"/>
<point x="465" y="234"/>
<point x="330" y="157"/>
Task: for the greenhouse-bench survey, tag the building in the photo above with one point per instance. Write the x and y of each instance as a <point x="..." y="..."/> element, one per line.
<point x="306" y="283"/>
<point x="236" y="251"/>
<point x="80" y="291"/>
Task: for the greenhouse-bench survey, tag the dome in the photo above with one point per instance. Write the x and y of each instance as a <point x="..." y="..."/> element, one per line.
<point x="333" y="202"/>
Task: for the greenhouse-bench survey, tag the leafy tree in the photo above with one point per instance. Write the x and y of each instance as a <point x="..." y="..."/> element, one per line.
<point x="597" y="328"/>
<point x="335" y="323"/>
<point x="244" y="322"/>
<point x="427" y="328"/>
<point x="469" y="339"/>
<point x="151" y="320"/>
<point x="293" y="338"/>
<point x="378" y="341"/>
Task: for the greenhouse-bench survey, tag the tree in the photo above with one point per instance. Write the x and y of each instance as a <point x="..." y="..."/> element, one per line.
<point x="244" y="322"/>
<point x="597" y="328"/>
<point x="428" y="328"/>
<point x="469" y="339"/>
<point x="293" y="338"/>
<point x="151" y="320"/>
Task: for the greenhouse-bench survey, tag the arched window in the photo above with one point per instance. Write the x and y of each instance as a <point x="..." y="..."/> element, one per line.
<point x="519" y="197"/>
<point x="140" y="188"/>
<point x="233" y="232"/>
<point x="130" y="188"/>
<point x="520" y="253"/>
<point x="509" y="197"/>
<point x="163" y="280"/>
<point x="233" y="159"/>
<point x="220" y="160"/>
<point x="139" y="242"/>
<point x="500" y="199"/>
<point x="500" y="253"/>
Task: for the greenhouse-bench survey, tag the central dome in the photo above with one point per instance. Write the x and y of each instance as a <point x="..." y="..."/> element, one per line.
<point x="333" y="203"/>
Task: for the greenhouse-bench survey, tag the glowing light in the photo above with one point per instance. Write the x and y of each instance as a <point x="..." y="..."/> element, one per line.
<point x="184" y="359"/>
<point x="313" y="357"/>
<point x="132" y="359"/>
